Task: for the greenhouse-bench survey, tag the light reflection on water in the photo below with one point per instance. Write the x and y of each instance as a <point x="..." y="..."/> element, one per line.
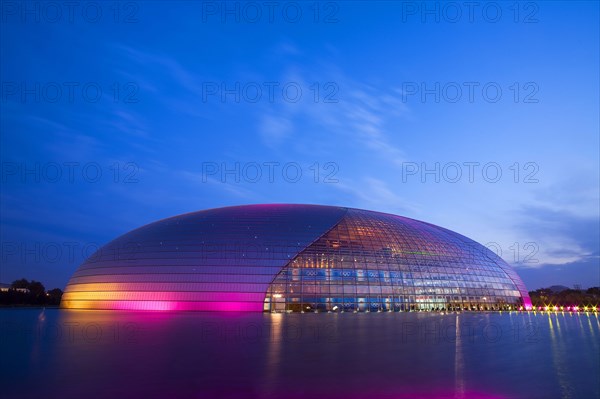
<point x="458" y="363"/>
<point x="75" y="354"/>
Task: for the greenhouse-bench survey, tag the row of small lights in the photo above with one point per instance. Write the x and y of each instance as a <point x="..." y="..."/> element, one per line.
<point x="546" y="308"/>
<point x="529" y="309"/>
<point x="594" y="310"/>
<point x="562" y="309"/>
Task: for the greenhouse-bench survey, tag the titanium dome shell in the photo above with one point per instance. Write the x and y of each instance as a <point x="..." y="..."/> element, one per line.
<point x="286" y="257"/>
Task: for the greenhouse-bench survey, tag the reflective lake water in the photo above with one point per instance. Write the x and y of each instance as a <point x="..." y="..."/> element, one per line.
<point x="101" y="354"/>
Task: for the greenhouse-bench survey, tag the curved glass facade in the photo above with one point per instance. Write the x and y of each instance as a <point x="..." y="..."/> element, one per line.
<point x="378" y="262"/>
<point x="293" y="258"/>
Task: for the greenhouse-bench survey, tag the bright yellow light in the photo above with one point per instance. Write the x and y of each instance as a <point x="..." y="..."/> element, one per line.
<point x="276" y="295"/>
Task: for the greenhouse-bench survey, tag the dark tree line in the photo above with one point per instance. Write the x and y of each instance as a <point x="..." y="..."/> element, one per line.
<point x="24" y="292"/>
<point x="567" y="297"/>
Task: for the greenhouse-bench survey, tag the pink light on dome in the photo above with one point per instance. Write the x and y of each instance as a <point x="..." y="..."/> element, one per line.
<point x="143" y="305"/>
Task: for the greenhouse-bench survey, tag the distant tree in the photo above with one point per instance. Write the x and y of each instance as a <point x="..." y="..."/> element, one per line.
<point x="593" y="291"/>
<point x="36" y="288"/>
<point x="54" y="296"/>
<point x="21" y="283"/>
<point x="35" y="295"/>
<point x="568" y="297"/>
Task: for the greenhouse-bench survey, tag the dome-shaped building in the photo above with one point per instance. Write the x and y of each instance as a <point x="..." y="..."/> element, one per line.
<point x="294" y="258"/>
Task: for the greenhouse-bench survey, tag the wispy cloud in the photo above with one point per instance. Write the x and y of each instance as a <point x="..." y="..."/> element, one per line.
<point x="168" y="80"/>
<point x="210" y="184"/>
<point x="275" y="129"/>
<point x="361" y="115"/>
<point x="129" y="123"/>
<point x="173" y="68"/>
<point x="371" y="193"/>
<point x="68" y="140"/>
<point x="562" y="237"/>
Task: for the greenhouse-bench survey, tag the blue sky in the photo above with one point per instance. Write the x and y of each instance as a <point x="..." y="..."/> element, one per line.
<point x="128" y="112"/>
